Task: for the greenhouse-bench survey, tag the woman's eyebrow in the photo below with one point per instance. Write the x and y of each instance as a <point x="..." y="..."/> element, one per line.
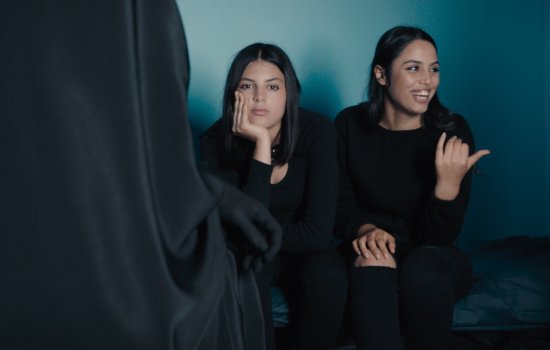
<point x="418" y="62"/>
<point x="268" y="80"/>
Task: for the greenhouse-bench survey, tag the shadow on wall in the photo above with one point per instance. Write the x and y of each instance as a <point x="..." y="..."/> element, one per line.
<point x="318" y="76"/>
<point x="200" y="120"/>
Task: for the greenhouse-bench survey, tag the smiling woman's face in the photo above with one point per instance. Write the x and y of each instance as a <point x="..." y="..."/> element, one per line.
<point x="414" y="79"/>
<point x="263" y="85"/>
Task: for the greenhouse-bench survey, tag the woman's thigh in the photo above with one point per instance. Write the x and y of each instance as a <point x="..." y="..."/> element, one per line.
<point x="427" y="267"/>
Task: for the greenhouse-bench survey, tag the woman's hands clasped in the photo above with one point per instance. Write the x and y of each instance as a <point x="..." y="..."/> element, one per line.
<point x="452" y="162"/>
<point x="374" y="247"/>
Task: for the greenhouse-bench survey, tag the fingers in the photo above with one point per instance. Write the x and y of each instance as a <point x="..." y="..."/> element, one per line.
<point x="250" y="231"/>
<point x="391" y="244"/>
<point x="259" y="229"/>
<point x="253" y="262"/>
<point x="258" y="263"/>
<point x="275" y="236"/>
<point x="477" y="156"/>
<point x="377" y="243"/>
<point x="267" y="227"/>
<point x="237" y="112"/>
<point x="454" y="154"/>
<point x="452" y="148"/>
<point x="359" y="247"/>
<point x="457" y="150"/>
<point x="376" y="246"/>
<point x="439" y="149"/>
<point x="247" y="262"/>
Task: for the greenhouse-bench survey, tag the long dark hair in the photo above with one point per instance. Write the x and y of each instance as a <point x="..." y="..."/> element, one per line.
<point x="235" y="147"/>
<point x="389" y="47"/>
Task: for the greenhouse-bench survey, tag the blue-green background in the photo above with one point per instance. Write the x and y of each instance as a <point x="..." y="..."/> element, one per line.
<point x="495" y="58"/>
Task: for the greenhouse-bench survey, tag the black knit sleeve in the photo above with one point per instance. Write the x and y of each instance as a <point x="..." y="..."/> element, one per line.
<point x="314" y="229"/>
<point x="440" y="221"/>
<point x="349" y="216"/>
<point x="252" y="177"/>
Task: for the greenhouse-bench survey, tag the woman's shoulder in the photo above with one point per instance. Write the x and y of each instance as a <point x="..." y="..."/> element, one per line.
<point x="354" y="115"/>
<point x="315" y="130"/>
<point x="214" y="131"/>
<point x="312" y="123"/>
<point x="460" y="122"/>
<point x="213" y="136"/>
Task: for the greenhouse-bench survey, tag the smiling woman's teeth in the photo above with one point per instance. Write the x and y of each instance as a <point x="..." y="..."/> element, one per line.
<point x="421" y="94"/>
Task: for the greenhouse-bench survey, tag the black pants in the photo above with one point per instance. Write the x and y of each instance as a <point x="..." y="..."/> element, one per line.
<point x="414" y="302"/>
<point x="315" y="285"/>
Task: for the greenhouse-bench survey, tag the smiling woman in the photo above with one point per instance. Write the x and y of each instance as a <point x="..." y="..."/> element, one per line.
<point x="285" y="157"/>
<point x="412" y="82"/>
<point x="405" y="176"/>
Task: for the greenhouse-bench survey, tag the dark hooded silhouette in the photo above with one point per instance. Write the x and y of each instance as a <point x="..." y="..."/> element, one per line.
<point x="110" y="237"/>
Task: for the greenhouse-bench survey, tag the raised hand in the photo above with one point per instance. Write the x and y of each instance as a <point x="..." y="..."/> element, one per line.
<point x="452" y="162"/>
<point x="244" y="128"/>
<point x="241" y="121"/>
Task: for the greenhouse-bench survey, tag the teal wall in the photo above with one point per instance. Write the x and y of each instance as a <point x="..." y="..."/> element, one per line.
<point x="495" y="71"/>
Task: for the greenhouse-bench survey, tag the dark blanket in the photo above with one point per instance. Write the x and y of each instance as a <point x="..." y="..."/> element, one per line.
<point x="512" y="286"/>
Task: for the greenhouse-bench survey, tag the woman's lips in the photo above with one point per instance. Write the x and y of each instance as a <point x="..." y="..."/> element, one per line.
<point x="259" y="112"/>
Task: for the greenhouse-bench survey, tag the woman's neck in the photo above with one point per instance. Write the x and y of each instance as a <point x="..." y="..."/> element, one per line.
<point x="398" y="120"/>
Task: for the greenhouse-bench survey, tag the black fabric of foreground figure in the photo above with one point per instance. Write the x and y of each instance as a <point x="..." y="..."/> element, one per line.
<point x="110" y="238"/>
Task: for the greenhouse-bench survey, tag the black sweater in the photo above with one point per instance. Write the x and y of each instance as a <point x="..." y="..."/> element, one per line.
<point x="387" y="178"/>
<point x="304" y="202"/>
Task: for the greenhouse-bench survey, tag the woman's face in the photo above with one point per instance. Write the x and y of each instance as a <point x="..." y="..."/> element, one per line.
<point x="414" y="79"/>
<point x="263" y="86"/>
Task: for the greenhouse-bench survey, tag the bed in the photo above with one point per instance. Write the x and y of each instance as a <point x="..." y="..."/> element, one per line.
<point x="511" y="288"/>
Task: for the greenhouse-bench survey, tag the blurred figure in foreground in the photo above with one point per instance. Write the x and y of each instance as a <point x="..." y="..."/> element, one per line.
<point x="110" y="238"/>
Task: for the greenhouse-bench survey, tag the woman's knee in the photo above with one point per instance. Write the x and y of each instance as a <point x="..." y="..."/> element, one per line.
<point x="361" y="261"/>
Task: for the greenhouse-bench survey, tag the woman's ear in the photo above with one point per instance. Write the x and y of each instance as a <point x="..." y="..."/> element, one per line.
<point x="380" y="75"/>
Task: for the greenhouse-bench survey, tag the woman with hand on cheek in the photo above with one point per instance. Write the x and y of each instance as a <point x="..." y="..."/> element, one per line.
<point x="405" y="174"/>
<point x="285" y="157"/>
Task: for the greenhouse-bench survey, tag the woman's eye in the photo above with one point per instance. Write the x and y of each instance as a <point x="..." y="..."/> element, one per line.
<point x="413" y="68"/>
<point x="434" y="69"/>
<point x="244" y="86"/>
<point x="273" y="87"/>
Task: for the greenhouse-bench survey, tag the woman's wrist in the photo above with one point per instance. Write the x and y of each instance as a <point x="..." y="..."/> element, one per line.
<point x="262" y="150"/>
<point x="446" y="191"/>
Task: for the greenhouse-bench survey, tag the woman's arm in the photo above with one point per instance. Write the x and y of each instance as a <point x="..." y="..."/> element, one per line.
<point x="350" y="217"/>
<point x="252" y="177"/>
<point x="314" y="229"/>
<point x="442" y="215"/>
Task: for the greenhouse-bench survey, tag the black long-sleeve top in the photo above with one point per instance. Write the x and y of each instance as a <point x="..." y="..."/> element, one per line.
<point x="387" y="178"/>
<point x="304" y="202"/>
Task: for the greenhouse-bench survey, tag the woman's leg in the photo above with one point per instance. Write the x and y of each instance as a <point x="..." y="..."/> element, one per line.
<point x="431" y="279"/>
<point x="321" y="296"/>
<point x="264" y="280"/>
<point x="374" y="304"/>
